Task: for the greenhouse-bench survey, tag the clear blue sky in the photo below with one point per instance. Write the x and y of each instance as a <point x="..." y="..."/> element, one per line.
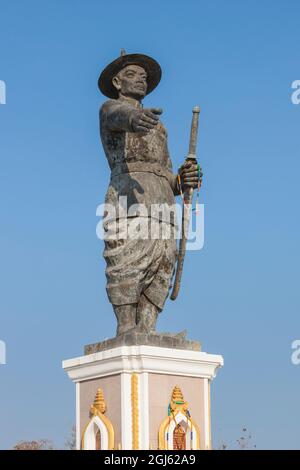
<point x="240" y="294"/>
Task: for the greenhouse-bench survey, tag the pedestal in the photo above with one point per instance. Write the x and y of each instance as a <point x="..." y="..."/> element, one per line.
<point x="143" y="397"/>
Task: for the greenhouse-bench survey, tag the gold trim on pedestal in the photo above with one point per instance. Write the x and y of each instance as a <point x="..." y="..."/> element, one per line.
<point x="135" y="411"/>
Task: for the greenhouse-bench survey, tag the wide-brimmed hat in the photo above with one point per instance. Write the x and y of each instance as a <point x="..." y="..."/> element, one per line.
<point x="150" y="65"/>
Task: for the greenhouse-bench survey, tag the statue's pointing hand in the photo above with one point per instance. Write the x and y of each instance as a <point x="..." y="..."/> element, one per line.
<point x="143" y="120"/>
<point x="190" y="175"/>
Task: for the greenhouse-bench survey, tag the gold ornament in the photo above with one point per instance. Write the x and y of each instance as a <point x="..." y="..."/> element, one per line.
<point x="177" y="401"/>
<point x="135" y="411"/>
<point x="99" y="403"/>
<point x="98" y="408"/>
<point x="177" y="406"/>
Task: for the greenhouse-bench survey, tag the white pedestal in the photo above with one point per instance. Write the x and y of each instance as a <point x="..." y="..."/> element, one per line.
<point x="137" y="384"/>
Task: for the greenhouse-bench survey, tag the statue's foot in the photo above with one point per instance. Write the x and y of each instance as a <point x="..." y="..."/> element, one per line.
<point x="126" y="316"/>
<point x="146" y="317"/>
<point x="124" y="329"/>
<point x="147" y="322"/>
<point x="140" y="328"/>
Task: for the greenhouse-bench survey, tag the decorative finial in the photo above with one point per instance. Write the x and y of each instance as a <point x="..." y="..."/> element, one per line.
<point x="177" y="401"/>
<point x="123" y="52"/>
<point x="99" y="403"/>
<point x="177" y="395"/>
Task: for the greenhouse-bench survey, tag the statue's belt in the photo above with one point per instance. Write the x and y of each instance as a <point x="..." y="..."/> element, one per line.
<point x="143" y="167"/>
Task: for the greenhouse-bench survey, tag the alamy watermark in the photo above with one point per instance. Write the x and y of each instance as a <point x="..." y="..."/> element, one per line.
<point x="295" y="97"/>
<point x="151" y="222"/>
<point x="2" y="92"/>
<point x="295" y="357"/>
<point x="2" y="352"/>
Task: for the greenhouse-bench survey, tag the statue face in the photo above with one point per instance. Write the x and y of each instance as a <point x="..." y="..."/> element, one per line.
<point x="131" y="81"/>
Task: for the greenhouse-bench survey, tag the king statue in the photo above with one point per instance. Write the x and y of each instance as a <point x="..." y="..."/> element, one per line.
<point x="139" y="271"/>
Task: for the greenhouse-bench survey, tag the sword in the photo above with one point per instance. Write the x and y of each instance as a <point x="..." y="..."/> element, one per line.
<point x="188" y="197"/>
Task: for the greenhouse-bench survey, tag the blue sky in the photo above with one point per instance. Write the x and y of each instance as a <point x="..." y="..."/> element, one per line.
<point x="240" y="294"/>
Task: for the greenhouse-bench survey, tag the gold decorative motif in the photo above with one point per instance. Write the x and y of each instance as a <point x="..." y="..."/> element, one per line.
<point x="177" y="401"/>
<point x="98" y="408"/>
<point x="135" y="411"/>
<point x="99" y="403"/>
<point x="177" y="405"/>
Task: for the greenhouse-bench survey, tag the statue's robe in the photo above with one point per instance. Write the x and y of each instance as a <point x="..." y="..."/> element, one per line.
<point x="141" y="170"/>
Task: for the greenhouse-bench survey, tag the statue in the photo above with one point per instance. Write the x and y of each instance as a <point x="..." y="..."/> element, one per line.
<point x="139" y="367"/>
<point x="139" y="271"/>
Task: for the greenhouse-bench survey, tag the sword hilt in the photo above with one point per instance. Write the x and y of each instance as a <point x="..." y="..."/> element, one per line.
<point x="194" y="133"/>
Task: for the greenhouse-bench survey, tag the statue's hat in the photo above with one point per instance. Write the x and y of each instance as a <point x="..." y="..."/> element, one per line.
<point x="150" y="65"/>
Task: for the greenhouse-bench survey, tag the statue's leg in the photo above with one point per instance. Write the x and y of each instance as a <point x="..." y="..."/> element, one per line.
<point x="146" y="315"/>
<point x="126" y="317"/>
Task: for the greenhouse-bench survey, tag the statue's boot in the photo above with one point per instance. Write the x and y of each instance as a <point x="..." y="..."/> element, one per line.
<point x="126" y="317"/>
<point x="146" y="316"/>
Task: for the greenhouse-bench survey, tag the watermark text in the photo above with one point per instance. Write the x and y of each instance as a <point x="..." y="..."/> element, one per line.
<point x="2" y="92"/>
<point x="295" y="97"/>
<point x="295" y="357"/>
<point x="2" y="352"/>
<point x="151" y="222"/>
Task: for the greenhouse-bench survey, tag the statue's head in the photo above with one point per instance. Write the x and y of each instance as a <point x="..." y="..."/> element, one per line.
<point x="131" y="81"/>
<point x="132" y="75"/>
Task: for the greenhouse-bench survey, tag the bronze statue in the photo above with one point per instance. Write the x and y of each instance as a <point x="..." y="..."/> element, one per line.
<point x="139" y="271"/>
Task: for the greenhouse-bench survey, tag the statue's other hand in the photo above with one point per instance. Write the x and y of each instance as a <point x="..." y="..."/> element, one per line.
<point x="143" y="120"/>
<point x="189" y="175"/>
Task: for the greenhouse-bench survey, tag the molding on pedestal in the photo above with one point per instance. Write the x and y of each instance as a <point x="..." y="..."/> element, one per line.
<point x="78" y="434"/>
<point x="144" y="410"/>
<point x="206" y="414"/>
<point x="138" y="359"/>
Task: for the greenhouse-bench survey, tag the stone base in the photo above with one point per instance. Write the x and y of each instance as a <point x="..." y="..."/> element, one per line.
<point x="161" y="340"/>
<point x="138" y="405"/>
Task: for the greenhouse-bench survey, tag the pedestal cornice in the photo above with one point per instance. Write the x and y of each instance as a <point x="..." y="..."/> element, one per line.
<point x="143" y="359"/>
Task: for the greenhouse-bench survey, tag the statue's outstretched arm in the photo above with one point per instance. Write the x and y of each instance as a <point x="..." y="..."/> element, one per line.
<point x="116" y="116"/>
<point x="119" y="116"/>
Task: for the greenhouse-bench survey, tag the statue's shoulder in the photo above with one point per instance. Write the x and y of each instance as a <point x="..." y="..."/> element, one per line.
<point x="108" y="105"/>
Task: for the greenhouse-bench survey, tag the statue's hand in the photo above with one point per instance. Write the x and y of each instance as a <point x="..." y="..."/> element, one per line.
<point x="143" y="120"/>
<point x="189" y="175"/>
